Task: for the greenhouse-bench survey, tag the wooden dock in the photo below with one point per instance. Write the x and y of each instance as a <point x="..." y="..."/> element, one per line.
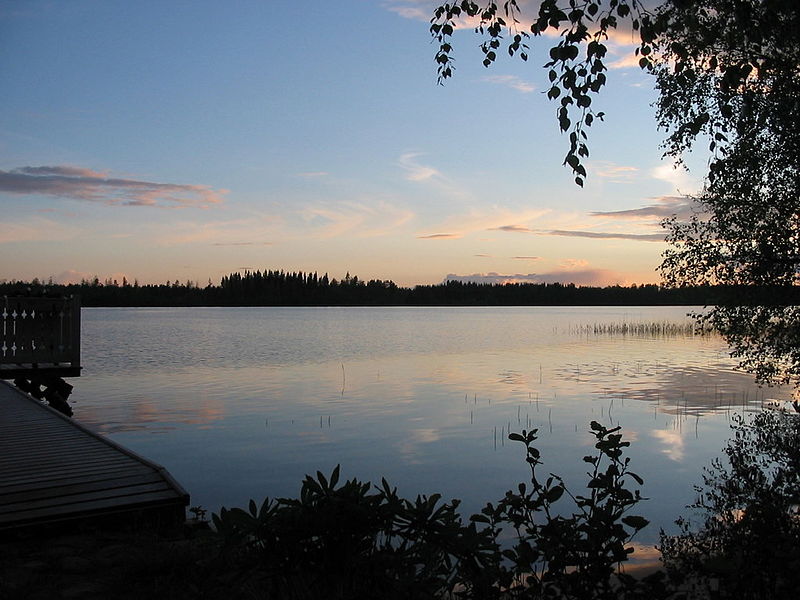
<point x="53" y="469"/>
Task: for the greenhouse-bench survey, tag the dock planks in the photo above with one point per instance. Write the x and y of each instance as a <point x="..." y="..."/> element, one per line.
<point x="53" y="469"/>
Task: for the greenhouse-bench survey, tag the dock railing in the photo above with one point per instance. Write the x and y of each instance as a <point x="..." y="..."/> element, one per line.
<point x="40" y="336"/>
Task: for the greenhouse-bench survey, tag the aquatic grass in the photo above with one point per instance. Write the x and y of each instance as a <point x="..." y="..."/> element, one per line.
<point x="642" y="329"/>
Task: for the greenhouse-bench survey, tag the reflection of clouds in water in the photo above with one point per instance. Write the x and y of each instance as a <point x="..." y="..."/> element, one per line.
<point x="411" y="447"/>
<point x="145" y="413"/>
<point x="677" y="389"/>
<point x="672" y="442"/>
<point x="424" y="435"/>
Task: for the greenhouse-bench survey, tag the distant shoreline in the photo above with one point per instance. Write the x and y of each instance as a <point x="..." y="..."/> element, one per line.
<point x="279" y="288"/>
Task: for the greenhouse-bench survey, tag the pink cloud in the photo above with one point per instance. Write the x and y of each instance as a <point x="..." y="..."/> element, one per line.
<point x="71" y="276"/>
<point x="242" y="244"/>
<point x="439" y="236"/>
<point x="573" y="263"/>
<point x="586" y="277"/>
<point x="512" y="228"/>
<point x="663" y="207"/>
<point x="599" y="235"/>
<point x="79" y="183"/>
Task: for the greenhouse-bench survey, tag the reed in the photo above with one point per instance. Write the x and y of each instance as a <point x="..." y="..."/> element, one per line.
<point x="654" y="329"/>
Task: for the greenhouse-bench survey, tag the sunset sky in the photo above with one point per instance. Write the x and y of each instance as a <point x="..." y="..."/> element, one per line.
<point x="186" y="140"/>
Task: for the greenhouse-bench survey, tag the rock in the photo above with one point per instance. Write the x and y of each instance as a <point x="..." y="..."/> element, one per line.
<point x="59" y="551"/>
<point x="75" y="564"/>
<point x="84" y="590"/>
<point x="76" y="541"/>
<point x="113" y="555"/>
<point x="34" y="565"/>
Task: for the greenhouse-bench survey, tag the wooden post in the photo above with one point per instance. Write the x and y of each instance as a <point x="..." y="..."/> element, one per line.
<point x="75" y="332"/>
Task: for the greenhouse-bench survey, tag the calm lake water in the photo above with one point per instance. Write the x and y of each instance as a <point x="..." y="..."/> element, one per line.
<point x="240" y="403"/>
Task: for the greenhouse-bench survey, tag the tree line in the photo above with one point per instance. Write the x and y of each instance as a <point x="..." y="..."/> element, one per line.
<point x="298" y="288"/>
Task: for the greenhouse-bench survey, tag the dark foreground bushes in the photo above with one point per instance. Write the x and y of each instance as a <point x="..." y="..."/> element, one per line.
<point x="353" y="540"/>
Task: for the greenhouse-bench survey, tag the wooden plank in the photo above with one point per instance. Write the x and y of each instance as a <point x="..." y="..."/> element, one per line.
<point x="60" y="442"/>
<point x="116" y="463"/>
<point x="62" y="490"/>
<point x="37" y="479"/>
<point x="20" y="435"/>
<point x="55" y="465"/>
<point x="54" y="468"/>
<point x="89" y="496"/>
<point x="88" y="478"/>
<point x="30" y="424"/>
<point x="100" y="506"/>
<point x="46" y="451"/>
<point x="23" y="437"/>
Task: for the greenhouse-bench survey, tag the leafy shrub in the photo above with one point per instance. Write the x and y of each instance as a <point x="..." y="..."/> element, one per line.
<point x="573" y="552"/>
<point x="356" y="541"/>
<point x="353" y="541"/>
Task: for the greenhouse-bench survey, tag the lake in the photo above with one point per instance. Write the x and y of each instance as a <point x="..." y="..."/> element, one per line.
<point x="240" y="403"/>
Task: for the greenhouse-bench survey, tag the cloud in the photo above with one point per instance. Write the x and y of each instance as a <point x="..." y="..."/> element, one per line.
<point x="369" y="218"/>
<point x="664" y="207"/>
<point x="511" y="81"/>
<point x="494" y="278"/>
<point x="573" y="263"/>
<point x="587" y="277"/>
<point x="628" y="60"/>
<point x="439" y="236"/>
<point x="513" y="228"/>
<point x="416" y="171"/>
<point x="312" y="174"/>
<point x="234" y="232"/>
<point x="78" y="183"/>
<point x="482" y="255"/>
<point x="637" y="237"/>
<point x="411" y="9"/>
<point x="527" y="257"/>
<point x="570" y="226"/>
<point x="36" y="229"/>
<point x="242" y="244"/>
<point x="613" y="172"/>
<point x="678" y="177"/>
<point x="422" y="10"/>
<point x="72" y="276"/>
<point x="492" y="218"/>
<point x="672" y="441"/>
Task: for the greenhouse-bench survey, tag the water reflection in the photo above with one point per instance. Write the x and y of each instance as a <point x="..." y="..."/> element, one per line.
<point x="241" y="403"/>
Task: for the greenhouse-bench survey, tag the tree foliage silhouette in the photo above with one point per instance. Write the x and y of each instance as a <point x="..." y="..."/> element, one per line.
<point x="727" y="75"/>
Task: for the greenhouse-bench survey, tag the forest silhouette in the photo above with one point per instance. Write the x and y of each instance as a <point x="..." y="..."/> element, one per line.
<point x="297" y="288"/>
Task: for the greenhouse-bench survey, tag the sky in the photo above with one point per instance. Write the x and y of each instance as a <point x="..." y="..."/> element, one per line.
<point x="187" y="140"/>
